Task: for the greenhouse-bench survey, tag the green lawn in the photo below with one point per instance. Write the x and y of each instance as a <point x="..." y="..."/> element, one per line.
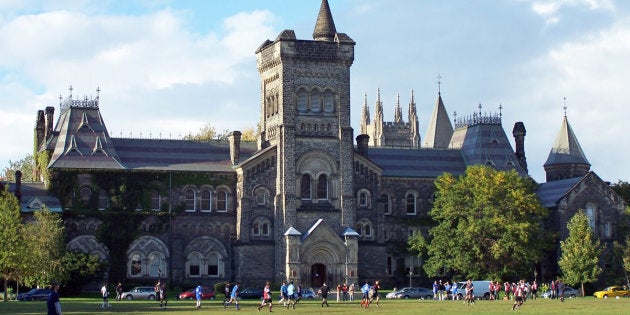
<point x="588" y="305"/>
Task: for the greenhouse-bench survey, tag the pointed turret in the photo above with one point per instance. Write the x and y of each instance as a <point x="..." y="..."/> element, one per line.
<point x="377" y="137"/>
<point x="440" y="129"/>
<point x="566" y="158"/>
<point x="365" y="116"/>
<point x="413" y="123"/>
<point x="325" y="26"/>
<point x="398" y="111"/>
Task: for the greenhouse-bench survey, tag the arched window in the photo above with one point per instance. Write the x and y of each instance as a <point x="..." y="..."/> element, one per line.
<point x="329" y="105"/>
<point x="261" y="196"/>
<point x="206" y="200"/>
<point x="155" y="265"/>
<point x="256" y="229"/>
<point x="322" y="187"/>
<point x="305" y="187"/>
<point x="213" y="265"/>
<point x="316" y="101"/>
<point x="302" y="101"/>
<point x="411" y="204"/>
<point x="222" y="201"/>
<point x="265" y="229"/>
<point x="590" y="214"/>
<point x="136" y="265"/>
<point x="387" y="204"/>
<point x="367" y="230"/>
<point x="194" y="263"/>
<point x="189" y="201"/>
<point x="364" y="198"/>
<point x="85" y="193"/>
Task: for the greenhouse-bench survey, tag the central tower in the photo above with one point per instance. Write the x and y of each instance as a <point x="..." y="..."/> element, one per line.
<point x="305" y="116"/>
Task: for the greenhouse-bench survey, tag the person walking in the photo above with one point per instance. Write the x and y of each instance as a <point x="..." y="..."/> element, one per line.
<point x="291" y="294"/>
<point x="233" y="296"/>
<point x="119" y="291"/>
<point x="198" y="295"/>
<point x="52" y="302"/>
<point x="105" y="295"/>
<point x="323" y="291"/>
<point x="267" y="300"/>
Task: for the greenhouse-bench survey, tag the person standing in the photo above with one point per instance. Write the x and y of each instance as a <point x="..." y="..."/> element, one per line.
<point x="162" y="294"/>
<point x="454" y="291"/>
<point x="436" y="288"/>
<point x="266" y="297"/>
<point x="351" y="291"/>
<point x="52" y="302"/>
<point x="323" y="291"/>
<point x="227" y="290"/>
<point x="338" y="292"/>
<point x="233" y="296"/>
<point x="105" y="295"/>
<point x="365" y="289"/>
<point x="119" y="291"/>
<point x="534" y="290"/>
<point x="560" y="287"/>
<point x="291" y="294"/>
<point x="284" y="296"/>
<point x="198" y="295"/>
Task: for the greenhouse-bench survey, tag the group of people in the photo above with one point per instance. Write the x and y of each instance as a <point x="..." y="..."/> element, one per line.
<point x="345" y="292"/>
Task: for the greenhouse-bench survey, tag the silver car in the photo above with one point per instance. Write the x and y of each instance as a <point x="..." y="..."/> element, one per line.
<point x="569" y="292"/>
<point x="139" y="293"/>
<point x="411" y="293"/>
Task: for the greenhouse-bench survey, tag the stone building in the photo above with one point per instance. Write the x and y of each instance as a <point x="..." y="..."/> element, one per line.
<point x="305" y="202"/>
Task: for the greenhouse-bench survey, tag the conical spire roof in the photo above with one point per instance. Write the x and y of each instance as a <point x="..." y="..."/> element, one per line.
<point x="440" y="129"/>
<point x="325" y="26"/>
<point x="566" y="149"/>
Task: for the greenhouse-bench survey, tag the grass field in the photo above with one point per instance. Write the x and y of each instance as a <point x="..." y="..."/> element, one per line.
<point x="587" y="305"/>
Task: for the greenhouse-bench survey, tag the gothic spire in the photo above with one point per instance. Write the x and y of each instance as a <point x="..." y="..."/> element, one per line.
<point x="398" y="110"/>
<point x="566" y="158"/>
<point x="440" y="129"/>
<point x="365" y="115"/>
<point x="325" y="26"/>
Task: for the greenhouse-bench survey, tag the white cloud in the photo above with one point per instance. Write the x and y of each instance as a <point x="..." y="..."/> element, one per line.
<point x="550" y="9"/>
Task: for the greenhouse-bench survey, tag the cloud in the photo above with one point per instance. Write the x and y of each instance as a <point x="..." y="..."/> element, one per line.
<point x="550" y="9"/>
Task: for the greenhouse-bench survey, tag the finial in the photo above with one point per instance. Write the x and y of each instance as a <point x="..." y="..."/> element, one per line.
<point x="439" y="83"/>
<point x="397" y="99"/>
<point x="500" y="110"/>
<point x="70" y="89"/>
<point x="378" y="94"/>
<point x="565" y="106"/>
<point x="455" y="117"/>
<point x="60" y="99"/>
<point x="480" y="108"/>
<point x="98" y="92"/>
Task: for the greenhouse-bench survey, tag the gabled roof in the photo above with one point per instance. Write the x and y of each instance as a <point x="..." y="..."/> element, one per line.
<point x="566" y="149"/>
<point x="35" y="196"/>
<point x="550" y="193"/>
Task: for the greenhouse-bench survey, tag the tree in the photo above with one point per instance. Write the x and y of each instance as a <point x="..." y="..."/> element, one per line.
<point x="250" y="135"/>
<point x="488" y="225"/>
<point x="81" y="268"/>
<point x="26" y="165"/>
<point x="580" y="252"/>
<point x="11" y="243"/>
<point x="207" y="133"/>
<point x="44" y="239"/>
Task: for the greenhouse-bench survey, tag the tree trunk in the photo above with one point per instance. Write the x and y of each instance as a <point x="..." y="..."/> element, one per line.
<point x="582" y="289"/>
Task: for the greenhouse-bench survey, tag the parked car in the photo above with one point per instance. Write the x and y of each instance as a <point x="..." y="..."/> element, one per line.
<point x="206" y="294"/>
<point x="410" y="293"/>
<point x="251" y="293"/>
<point x="569" y="292"/>
<point x="612" y="291"/>
<point x="34" y="294"/>
<point x="308" y="294"/>
<point x="139" y="293"/>
<point x="481" y="289"/>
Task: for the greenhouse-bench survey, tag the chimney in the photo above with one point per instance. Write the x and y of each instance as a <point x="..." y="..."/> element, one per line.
<point x="235" y="147"/>
<point x="18" y="185"/>
<point x="519" y="133"/>
<point x="50" y="111"/>
<point x="362" y="144"/>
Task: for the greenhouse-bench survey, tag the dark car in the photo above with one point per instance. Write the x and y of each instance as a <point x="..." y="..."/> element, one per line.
<point x="251" y="293"/>
<point x="206" y="294"/>
<point x="35" y="294"/>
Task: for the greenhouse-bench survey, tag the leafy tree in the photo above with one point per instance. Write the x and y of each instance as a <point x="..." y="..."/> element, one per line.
<point x="580" y="252"/>
<point x="26" y="165"/>
<point x="622" y="189"/>
<point x="11" y="243"/>
<point x="250" y="135"/>
<point x="489" y="225"/>
<point x="81" y="268"/>
<point x="44" y="238"/>
<point x="207" y="133"/>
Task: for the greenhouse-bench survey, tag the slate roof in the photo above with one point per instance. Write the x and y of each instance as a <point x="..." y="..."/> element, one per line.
<point x="35" y="196"/>
<point x="423" y="163"/>
<point x="566" y="149"/>
<point x="440" y="129"/>
<point x="551" y="192"/>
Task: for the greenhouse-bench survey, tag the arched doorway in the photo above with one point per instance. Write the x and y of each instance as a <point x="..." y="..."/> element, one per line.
<point x="318" y="275"/>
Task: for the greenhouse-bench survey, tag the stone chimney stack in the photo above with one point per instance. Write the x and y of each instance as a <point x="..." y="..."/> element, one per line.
<point x="50" y="111"/>
<point x="362" y="144"/>
<point x="519" y="133"/>
<point x="18" y="185"/>
<point x="235" y="147"/>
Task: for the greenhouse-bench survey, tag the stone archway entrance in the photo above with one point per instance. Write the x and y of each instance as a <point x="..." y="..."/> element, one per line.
<point x="318" y="275"/>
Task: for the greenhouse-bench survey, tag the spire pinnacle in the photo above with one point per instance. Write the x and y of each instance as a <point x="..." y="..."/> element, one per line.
<point x="439" y="83"/>
<point x="325" y="26"/>
<point x="565" y="107"/>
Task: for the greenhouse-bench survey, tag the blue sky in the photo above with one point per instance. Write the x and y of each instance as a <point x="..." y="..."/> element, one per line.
<point x="166" y="68"/>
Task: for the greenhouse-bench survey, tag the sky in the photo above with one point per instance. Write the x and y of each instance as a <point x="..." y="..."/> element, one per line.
<point x="166" y="68"/>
